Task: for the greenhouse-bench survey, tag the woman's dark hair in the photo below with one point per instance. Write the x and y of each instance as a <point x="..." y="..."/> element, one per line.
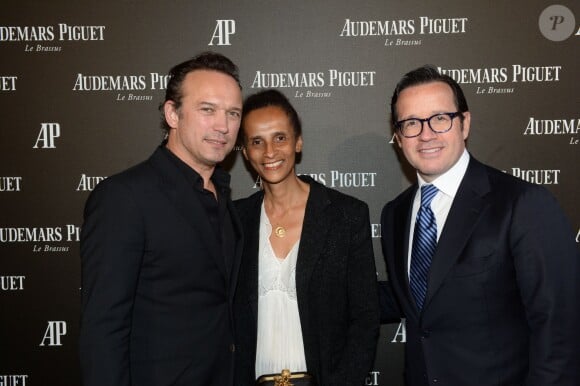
<point x="275" y="98"/>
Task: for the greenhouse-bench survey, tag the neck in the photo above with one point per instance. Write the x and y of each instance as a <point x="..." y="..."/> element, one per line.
<point x="283" y="196"/>
<point x="205" y="171"/>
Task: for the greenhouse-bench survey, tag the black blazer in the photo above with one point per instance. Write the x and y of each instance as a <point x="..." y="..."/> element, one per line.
<point x="502" y="299"/>
<point x="335" y="283"/>
<point x="156" y="292"/>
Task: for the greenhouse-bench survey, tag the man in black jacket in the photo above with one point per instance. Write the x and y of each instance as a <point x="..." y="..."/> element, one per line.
<point x="161" y="246"/>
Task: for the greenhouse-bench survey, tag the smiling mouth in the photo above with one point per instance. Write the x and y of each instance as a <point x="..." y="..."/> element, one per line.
<point x="272" y="165"/>
<point x="218" y="142"/>
<point x="431" y="150"/>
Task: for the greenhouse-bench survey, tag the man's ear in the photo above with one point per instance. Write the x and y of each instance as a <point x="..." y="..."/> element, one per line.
<point x="398" y="139"/>
<point x="171" y="114"/>
<point x="466" y="124"/>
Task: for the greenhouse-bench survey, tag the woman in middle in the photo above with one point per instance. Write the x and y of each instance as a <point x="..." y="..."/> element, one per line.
<point x="306" y="298"/>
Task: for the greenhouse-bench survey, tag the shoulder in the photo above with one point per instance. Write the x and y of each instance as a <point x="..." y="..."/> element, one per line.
<point x="133" y="175"/>
<point x="510" y="187"/>
<point x="249" y="204"/>
<point x="331" y="199"/>
<point x="526" y="202"/>
<point x="345" y="200"/>
<point x="404" y="197"/>
<point x="127" y="183"/>
<point x="535" y="214"/>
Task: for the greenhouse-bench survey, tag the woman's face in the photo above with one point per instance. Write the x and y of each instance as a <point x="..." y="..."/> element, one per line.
<point x="270" y="143"/>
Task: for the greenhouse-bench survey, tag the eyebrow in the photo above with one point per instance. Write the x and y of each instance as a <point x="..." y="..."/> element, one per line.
<point x="415" y="116"/>
<point x="212" y="104"/>
<point x="272" y="135"/>
<point x="207" y="103"/>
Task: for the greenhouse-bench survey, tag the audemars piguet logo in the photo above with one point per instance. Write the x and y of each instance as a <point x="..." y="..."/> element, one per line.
<point x="502" y="80"/>
<point x="130" y="88"/>
<point x="67" y="232"/>
<point x="223" y="31"/>
<point x="54" y="333"/>
<point x="537" y="176"/>
<point x="309" y="84"/>
<point x="49" y="132"/>
<point x="404" y="32"/>
<point x="88" y="183"/>
<point x="12" y="283"/>
<point x="13" y="379"/>
<point x="8" y="83"/>
<point x="339" y="179"/>
<point x="373" y="378"/>
<point x="400" y="334"/>
<point x="37" y="36"/>
<point x="43" y="239"/>
<point x="555" y="127"/>
<point x="375" y="231"/>
<point x="10" y="184"/>
<point x="345" y="179"/>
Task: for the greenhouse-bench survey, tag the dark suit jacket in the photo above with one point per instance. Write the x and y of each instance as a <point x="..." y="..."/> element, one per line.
<point x="335" y="283"/>
<point x="156" y="292"/>
<point x="502" y="300"/>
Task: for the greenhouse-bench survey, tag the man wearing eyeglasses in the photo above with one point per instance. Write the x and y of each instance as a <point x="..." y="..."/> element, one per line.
<point x="482" y="265"/>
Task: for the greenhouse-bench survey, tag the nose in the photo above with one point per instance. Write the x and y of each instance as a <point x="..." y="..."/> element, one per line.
<point x="221" y="123"/>
<point x="268" y="149"/>
<point x="426" y="133"/>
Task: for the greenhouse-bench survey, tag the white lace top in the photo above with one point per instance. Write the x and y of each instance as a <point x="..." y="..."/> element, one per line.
<point x="280" y="345"/>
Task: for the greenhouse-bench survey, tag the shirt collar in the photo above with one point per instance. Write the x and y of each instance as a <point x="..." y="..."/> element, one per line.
<point x="449" y="181"/>
<point x="220" y="177"/>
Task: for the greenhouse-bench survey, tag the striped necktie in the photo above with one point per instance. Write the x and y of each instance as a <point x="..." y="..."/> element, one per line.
<point x="424" y="243"/>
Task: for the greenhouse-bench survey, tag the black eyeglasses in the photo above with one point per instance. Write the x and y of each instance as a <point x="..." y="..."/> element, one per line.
<point x="438" y="123"/>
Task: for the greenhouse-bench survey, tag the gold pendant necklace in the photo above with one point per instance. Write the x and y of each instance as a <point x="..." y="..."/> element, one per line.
<point x="280" y="232"/>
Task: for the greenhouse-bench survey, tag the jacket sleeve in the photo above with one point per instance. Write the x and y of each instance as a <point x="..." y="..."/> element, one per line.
<point x="112" y="242"/>
<point x="390" y="311"/>
<point x="547" y="263"/>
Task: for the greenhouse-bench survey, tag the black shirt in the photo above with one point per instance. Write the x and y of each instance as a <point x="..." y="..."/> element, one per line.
<point x="217" y="210"/>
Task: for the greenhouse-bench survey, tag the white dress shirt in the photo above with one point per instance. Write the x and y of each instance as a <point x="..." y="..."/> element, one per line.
<point x="447" y="184"/>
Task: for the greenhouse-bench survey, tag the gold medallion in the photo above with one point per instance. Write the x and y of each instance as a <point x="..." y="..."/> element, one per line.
<point x="280" y="232"/>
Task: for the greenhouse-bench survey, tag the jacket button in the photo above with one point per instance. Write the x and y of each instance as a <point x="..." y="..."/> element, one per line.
<point x="435" y="380"/>
<point x="426" y="333"/>
<point x="232" y="347"/>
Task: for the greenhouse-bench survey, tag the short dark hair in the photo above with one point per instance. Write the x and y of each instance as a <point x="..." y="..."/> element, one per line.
<point x="274" y="98"/>
<point x="208" y="60"/>
<point x="428" y="74"/>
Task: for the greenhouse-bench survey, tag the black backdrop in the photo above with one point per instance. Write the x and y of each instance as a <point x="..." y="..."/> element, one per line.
<point x="80" y="83"/>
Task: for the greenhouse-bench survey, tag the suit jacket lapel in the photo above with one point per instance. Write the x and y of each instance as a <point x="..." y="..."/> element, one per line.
<point x="316" y="227"/>
<point x="251" y="254"/>
<point x="181" y="195"/>
<point x="462" y="219"/>
<point x="402" y="217"/>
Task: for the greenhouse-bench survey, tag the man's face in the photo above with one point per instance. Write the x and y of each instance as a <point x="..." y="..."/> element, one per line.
<point x="430" y="153"/>
<point x="271" y="144"/>
<point x="204" y="128"/>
